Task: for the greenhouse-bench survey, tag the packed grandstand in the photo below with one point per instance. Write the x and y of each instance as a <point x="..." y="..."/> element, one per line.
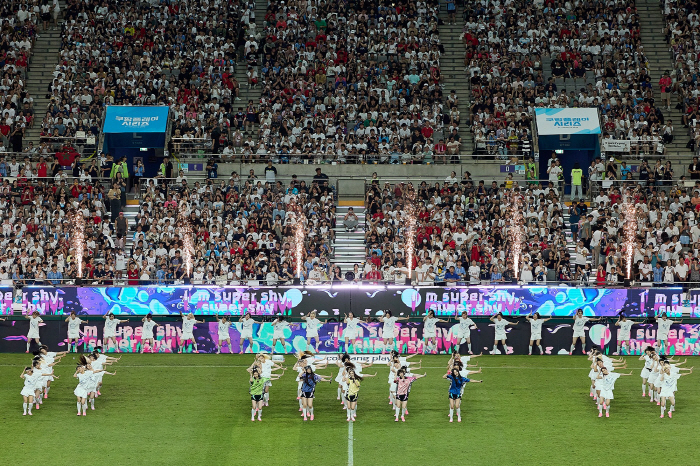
<point x="346" y="82"/>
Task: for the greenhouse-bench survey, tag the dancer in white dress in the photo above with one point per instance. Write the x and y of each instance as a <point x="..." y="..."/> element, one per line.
<point x="50" y="357"/>
<point x="30" y="377"/>
<point x="247" y="323"/>
<point x="580" y="330"/>
<point x="350" y="334"/>
<point x="648" y="358"/>
<point x="623" y="336"/>
<point x="110" y="331"/>
<point x="102" y="360"/>
<point x="500" y="325"/>
<point x="312" y="326"/>
<point x="536" y="331"/>
<point x="34" y="321"/>
<point x="188" y="323"/>
<point x="389" y="329"/>
<point x="664" y="327"/>
<point x="223" y="329"/>
<point x="41" y="366"/>
<point x="464" y="332"/>
<point x="85" y="383"/>
<point x="430" y="331"/>
<point x="147" y="332"/>
<point x="606" y="383"/>
<point x="279" y="325"/>
<point x="668" y="381"/>
<point x="73" y="331"/>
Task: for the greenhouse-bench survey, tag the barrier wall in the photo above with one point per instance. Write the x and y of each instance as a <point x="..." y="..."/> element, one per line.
<point x="363" y="300"/>
<point x="556" y="338"/>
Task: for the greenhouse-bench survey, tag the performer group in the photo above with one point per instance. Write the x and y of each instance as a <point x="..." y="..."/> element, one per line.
<point x="659" y="375"/>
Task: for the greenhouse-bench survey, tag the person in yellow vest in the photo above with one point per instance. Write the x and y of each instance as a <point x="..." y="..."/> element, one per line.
<point x="576" y="179"/>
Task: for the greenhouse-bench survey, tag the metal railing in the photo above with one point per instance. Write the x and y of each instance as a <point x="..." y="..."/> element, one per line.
<point x="320" y="158"/>
<point x="122" y="282"/>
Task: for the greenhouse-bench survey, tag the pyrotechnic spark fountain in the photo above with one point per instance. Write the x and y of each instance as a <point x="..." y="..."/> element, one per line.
<point x="409" y="218"/>
<point x="299" y="230"/>
<point x="78" y="239"/>
<point x="185" y="230"/>
<point x="629" y="234"/>
<point x="516" y="232"/>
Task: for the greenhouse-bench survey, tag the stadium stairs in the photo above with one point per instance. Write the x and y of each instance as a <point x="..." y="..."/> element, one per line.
<point x="40" y="75"/>
<point x="349" y="247"/>
<point x="248" y="93"/>
<point x="660" y="59"/>
<point x="454" y="76"/>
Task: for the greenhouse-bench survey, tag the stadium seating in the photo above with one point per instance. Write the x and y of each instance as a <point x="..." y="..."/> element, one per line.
<point x="462" y="234"/>
<point x="350" y="85"/>
<point x="526" y="56"/>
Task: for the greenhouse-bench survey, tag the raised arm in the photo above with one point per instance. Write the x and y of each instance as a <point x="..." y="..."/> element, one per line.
<point x="402" y="318"/>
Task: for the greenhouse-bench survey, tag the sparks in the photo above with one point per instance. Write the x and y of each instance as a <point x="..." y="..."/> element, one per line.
<point x="516" y="230"/>
<point x="185" y="230"/>
<point x="629" y="241"/>
<point x="409" y="220"/>
<point x="78" y="239"/>
<point x="298" y="238"/>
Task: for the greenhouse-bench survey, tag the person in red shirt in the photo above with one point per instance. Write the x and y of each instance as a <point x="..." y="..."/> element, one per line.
<point x="374" y="274"/>
<point x="42" y="169"/>
<point x="375" y="260"/>
<point x="441" y="149"/>
<point x="133" y="274"/>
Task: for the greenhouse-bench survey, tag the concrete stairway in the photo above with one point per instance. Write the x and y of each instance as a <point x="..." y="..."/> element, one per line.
<point x="349" y="247"/>
<point x="43" y="63"/>
<point x="660" y="60"/>
<point x="247" y="93"/>
<point x="454" y="76"/>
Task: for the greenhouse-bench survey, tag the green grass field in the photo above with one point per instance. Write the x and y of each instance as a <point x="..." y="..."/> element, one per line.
<point x="195" y="409"/>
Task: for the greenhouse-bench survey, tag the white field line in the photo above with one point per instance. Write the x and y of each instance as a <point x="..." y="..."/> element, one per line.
<point x="350" y="444"/>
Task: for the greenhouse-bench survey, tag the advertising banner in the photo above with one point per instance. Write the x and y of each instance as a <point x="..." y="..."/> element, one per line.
<point x="363" y="301"/>
<point x="556" y="338"/>
<point x="6" y="299"/>
<point x="616" y="145"/>
<point x="553" y="121"/>
<point x="136" y="119"/>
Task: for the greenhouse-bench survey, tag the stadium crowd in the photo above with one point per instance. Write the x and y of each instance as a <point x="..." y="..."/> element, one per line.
<point x="462" y="233"/>
<point x="243" y="230"/>
<point x="682" y="23"/>
<point x="522" y="55"/>
<point x="19" y="27"/>
<point x="180" y="54"/>
<point x="349" y="84"/>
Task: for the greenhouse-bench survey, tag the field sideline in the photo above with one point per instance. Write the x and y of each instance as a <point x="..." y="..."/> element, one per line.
<point x="195" y="409"/>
